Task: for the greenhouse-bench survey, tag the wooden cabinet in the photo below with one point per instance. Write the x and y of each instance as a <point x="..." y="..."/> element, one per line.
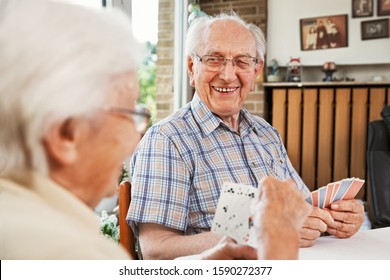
<point x="324" y="126"/>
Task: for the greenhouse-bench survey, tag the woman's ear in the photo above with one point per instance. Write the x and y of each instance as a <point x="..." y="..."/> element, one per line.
<point x="61" y="142"/>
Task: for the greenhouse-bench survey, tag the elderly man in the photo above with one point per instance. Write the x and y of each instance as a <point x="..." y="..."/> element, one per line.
<point x="68" y="119"/>
<point x="181" y="163"/>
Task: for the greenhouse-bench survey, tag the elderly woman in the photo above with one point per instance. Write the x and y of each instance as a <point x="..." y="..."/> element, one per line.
<point x="68" y="92"/>
<point x="68" y="118"/>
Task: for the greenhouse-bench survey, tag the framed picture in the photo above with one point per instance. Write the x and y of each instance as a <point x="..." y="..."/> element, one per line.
<point x="383" y="7"/>
<point x="326" y="32"/>
<point x="375" y="29"/>
<point x="362" y="8"/>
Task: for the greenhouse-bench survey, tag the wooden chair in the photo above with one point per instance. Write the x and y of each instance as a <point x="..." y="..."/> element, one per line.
<point x="127" y="238"/>
<point x="378" y="180"/>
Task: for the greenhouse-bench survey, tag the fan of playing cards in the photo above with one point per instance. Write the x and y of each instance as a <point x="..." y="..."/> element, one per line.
<point x="340" y="190"/>
<point x="233" y="215"/>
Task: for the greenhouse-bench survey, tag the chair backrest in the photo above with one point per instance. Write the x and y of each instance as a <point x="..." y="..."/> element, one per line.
<point x="378" y="166"/>
<point x="127" y="239"/>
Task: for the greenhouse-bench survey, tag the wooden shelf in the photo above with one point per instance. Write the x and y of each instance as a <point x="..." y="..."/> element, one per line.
<point x="325" y="84"/>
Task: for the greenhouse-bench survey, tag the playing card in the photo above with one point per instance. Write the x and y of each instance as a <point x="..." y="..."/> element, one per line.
<point x="353" y="189"/>
<point x="336" y="186"/>
<point x="344" y="185"/>
<point x="309" y="199"/>
<point x="314" y="198"/>
<point x="226" y="213"/>
<point x="340" y="190"/>
<point x="232" y="217"/>
<point x="249" y="238"/>
<point x="242" y="224"/>
<point x="328" y="195"/>
<point x="321" y="196"/>
<point x="223" y="213"/>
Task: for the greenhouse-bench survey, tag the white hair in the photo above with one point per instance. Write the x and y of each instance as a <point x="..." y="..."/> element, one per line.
<point x="199" y="25"/>
<point x="57" y="61"/>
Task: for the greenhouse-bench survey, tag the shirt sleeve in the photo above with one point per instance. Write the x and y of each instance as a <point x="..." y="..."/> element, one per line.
<point x="279" y="161"/>
<point x="290" y="170"/>
<point x="160" y="184"/>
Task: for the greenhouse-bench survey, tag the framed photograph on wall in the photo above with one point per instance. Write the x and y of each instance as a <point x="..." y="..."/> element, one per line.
<point x="322" y="33"/>
<point x="383" y="7"/>
<point x="375" y="29"/>
<point x="362" y="8"/>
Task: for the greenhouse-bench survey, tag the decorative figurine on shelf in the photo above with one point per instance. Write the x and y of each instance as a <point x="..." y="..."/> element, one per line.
<point x="274" y="76"/>
<point x="294" y="70"/>
<point x="195" y="11"/>
<point x="275" y="67"/>
<point x="329" y="68"/>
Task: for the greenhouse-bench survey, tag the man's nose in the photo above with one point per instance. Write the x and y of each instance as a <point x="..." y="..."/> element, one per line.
<point x="228" y="72"/>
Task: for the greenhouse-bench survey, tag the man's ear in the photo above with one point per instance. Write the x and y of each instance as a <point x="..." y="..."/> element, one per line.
<point x="259" y="68"/>
<point x="190" y="68"/>
<point x="61" y="142"/>
<point x="257" y="71"/>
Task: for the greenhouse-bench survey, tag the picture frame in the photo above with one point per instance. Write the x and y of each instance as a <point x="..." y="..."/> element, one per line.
<point x="326" y="32"/>
<point x="375" y="29"/>
<point x="383" y="7"/>
<point x="362" y="8"/>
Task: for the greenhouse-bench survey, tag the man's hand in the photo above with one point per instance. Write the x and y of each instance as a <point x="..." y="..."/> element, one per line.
<point x="348" y="217"/>
<point x="316" y="223"/>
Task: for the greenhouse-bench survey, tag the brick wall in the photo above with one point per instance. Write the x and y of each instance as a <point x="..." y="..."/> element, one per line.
<point x="165" y="52"/>
<point x="254" y="11"/>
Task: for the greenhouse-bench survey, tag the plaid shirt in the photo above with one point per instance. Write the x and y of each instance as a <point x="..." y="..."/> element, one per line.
<point x="181" y="163"/>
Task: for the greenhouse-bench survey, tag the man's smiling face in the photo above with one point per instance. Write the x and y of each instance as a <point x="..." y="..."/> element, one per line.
<point x="225" y="91"/>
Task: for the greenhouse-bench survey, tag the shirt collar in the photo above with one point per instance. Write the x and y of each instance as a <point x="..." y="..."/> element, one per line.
<point x="247" y="122"/>
<point x="209" y="121"/>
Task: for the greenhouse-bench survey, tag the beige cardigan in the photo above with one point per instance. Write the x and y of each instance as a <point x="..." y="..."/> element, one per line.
<point x="41" y="220"/>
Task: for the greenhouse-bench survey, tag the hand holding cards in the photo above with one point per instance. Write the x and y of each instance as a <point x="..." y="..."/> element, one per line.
<point x="233" y="214"/>
<point x="277" y="206"/>
<point x="341" y="190"/>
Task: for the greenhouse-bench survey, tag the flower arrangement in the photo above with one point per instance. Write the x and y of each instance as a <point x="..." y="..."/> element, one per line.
<point x="109" y="226"/>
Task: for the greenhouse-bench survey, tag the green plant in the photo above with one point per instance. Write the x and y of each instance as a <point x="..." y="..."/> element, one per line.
<point x="109" y="226"/>
<point x="147" y="79"/>
<point x="124" y="175"/>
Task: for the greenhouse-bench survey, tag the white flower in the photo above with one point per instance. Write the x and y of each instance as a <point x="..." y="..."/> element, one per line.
<point x="109" y="226"/>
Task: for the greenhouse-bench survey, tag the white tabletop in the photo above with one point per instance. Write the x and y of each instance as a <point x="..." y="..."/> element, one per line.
<point x="364" y="245"/>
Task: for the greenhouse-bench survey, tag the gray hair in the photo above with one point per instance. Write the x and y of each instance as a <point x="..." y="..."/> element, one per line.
<point x="198" y="26"/>
<point x="57" y="61"/>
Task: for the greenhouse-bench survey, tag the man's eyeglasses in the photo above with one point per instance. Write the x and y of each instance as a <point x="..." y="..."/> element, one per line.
<point x="242" y="63"/>
<point x="139" y="115"/>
